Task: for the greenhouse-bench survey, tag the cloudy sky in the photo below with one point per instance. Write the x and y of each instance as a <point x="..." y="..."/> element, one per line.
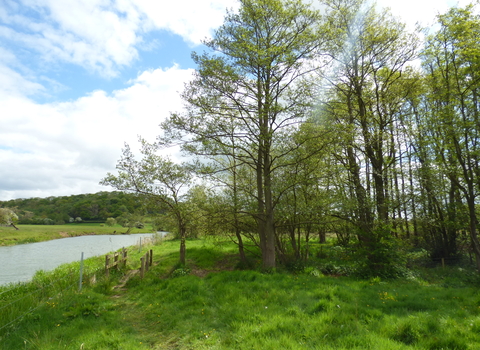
<point x="79" y="78"/>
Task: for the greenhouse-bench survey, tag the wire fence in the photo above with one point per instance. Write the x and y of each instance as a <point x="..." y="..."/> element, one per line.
<point x="23" y="299"/>
<point x="20" y="300"/>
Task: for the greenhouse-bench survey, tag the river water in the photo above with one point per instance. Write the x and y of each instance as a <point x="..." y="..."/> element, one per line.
<point x="19" y="263"/>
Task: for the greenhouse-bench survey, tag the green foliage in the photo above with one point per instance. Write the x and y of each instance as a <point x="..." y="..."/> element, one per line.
<point x="90" y="207"/>
<point x="180" y="271"/>
<point x="337" y="269"/>
<point x="382" y="256"/>
<point x="8" y="217"/>
<point x="250" y="92"/>
<point x="158" y="223"/>
<point x="110" y="222"/>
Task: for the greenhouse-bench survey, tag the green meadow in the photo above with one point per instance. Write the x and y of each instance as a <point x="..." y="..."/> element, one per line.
<point x="210" y="304"/>
<point x="39" y="233"/>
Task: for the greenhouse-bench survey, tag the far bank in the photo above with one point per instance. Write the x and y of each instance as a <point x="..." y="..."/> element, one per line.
<point x="40" y="233"/>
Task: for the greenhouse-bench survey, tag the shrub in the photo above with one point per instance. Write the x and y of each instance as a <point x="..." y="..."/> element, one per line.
<point x="382" y="257"/>
<point x="110" y="222"/>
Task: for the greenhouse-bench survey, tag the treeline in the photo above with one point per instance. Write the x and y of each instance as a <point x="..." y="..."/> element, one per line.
<point x="95" y="207"/>
<point x="304" y="122"/>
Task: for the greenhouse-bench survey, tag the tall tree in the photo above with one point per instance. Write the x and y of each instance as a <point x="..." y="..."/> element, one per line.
<point x="252" y="87"/>
<point x="370" y="54"/>
<point x="452" y="64"/>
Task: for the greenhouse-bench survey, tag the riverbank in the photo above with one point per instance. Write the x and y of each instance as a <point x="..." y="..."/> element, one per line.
<point x="40" y="233"/>
<point x="20" y="262"/>
<point x="210" y="305"/>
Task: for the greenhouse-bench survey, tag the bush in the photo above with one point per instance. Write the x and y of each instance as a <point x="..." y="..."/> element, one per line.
<point x="337" y="270"/>
<point x="48" y="221"/>
<point x="382" y="256"/>
<point x="110" y="222"/>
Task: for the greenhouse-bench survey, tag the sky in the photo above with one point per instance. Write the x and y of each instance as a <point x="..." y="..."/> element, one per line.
<point x="80" y="78"/>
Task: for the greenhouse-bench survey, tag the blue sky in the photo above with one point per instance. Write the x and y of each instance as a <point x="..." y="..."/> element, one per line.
<point x="78" y="78"/>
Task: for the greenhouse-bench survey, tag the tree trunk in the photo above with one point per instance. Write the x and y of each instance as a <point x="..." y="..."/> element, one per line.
<point x="183" y="234"/>
<point x="241" y="250"/>
<point x="473" y="230"/>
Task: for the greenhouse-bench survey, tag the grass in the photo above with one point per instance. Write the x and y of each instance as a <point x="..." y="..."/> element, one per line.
<point x="210" y="305"/>
<point x="39" y="233"/>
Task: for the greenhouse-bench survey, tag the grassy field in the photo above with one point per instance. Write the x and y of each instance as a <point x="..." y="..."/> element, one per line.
<point x="39" y="233"/>
<point x="210" y="305"/>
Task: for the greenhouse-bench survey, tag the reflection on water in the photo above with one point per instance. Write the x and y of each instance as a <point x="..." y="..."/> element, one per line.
<point x="20" y="262"/>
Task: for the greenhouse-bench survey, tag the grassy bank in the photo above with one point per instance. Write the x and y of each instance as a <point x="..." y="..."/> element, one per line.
<point x="209" y="305"/>
<point x="39" y="233"/>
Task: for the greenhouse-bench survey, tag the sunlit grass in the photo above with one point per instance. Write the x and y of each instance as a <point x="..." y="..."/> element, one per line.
<point x="217" y="307"/>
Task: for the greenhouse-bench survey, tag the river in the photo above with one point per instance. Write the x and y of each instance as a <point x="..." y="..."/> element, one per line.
<point x="19" y="263"/>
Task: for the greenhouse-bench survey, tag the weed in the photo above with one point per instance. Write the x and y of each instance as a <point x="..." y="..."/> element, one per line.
<point x="180" y="272"/>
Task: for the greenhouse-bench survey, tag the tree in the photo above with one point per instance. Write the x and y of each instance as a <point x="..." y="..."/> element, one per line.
<point x="110" y="222"/>
<point x="252" y="89"/>
<point x="8" y="217"/>
<point x="364" y="105"/>
<point x="162" y="182"/>
<point x="130" y="221"/>
<point x="451" y="61"/>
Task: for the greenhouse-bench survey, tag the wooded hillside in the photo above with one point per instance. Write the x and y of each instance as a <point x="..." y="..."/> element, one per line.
<point x="88" y="207"/>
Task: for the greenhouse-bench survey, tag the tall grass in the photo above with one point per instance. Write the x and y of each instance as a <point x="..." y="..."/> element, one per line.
<point x="214" y="306"/>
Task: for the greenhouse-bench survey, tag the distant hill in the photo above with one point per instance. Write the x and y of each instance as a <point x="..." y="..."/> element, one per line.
<point x="95" y="207"/>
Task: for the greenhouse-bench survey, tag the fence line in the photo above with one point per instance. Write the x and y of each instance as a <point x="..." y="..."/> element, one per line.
<point x="73" y="280"/>
<point x="34" y="291"/>
<point x="118" y="258"/>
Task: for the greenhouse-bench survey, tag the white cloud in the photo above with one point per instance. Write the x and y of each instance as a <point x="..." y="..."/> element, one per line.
<point x="103" y="35"/>
<point x="65" y="148"/>
<point x="422" y="12"/>
<point x="13" y="83"/>
<point x="191" y="19"/>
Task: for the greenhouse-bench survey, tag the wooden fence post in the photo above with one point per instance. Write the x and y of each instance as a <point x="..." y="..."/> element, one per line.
<point x="147" y="260"/>
<point x="142" y="266"/>
<point x="107" y="263"/>
<point x="115" y="259"/>
<point x="118" y="258"/>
